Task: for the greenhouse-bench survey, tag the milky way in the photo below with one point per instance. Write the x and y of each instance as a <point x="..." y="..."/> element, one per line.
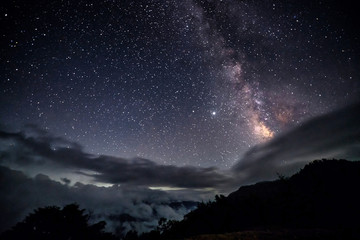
<point x="178" y="82"/>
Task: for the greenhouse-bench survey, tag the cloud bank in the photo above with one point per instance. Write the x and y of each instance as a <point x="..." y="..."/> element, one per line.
<point x="122" y="207"/>
<point x="334" y="135"/>
<point x="36" y="147"/>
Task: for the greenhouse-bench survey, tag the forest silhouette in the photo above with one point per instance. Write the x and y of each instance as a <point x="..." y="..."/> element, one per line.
<point x="54" y="223"/>
<point x="321" y="201"/>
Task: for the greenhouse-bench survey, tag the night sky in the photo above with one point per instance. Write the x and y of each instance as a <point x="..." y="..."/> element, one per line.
<point x="165" y="101"/>
<point x="178" y="82"/>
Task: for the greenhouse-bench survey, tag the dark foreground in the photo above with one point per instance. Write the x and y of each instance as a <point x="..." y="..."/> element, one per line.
<point x="321" y="201"/>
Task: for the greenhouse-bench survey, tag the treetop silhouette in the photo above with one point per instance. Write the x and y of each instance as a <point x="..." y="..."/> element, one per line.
<point x="55" y="223"/>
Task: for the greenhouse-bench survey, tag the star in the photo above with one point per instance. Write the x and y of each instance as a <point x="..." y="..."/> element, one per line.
<point x="144" y="80"/>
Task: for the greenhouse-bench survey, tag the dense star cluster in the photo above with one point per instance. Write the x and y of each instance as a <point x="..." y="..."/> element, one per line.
<point x="193" y="82"/>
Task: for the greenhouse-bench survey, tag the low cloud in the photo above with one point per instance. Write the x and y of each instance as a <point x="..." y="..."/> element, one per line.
<point x="122" y="207"/>
<point x="334" y="135"/>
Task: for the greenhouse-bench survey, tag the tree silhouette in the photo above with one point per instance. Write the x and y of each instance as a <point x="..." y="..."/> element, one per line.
<point x="58" y="224"/>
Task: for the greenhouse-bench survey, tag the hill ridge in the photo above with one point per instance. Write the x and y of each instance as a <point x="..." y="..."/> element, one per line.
<point x="322" y="195"/>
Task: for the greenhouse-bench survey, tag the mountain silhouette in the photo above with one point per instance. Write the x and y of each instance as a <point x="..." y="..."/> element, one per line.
<point x="322" y="199"/>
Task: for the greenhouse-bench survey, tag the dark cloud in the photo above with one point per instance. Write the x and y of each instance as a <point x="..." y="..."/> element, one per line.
<point x="334" y="135"/>
<point x="66" y="180"/>
<point x="43" y="149"/>
<point x="142" y="206"/>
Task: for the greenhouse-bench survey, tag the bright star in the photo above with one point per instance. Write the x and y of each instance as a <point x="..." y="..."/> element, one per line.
<point x="213" y="113"/>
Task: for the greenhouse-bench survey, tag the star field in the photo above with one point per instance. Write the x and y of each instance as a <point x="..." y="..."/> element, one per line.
<point x="178" y="82"/>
